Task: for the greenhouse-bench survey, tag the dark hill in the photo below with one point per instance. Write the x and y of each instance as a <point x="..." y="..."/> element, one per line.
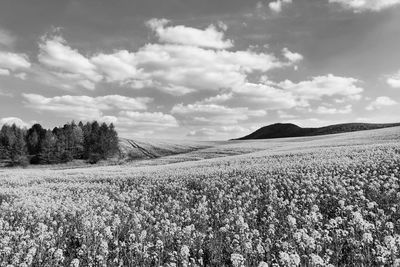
<point x="280" y="130"/>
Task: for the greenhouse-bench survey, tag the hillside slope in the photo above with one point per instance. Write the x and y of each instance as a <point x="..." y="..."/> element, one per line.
<point x="280" y="130"/>
<point x="146" y="149"/>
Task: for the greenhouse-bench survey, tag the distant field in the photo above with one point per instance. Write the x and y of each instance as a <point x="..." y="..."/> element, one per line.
<point x="310" y="201"/>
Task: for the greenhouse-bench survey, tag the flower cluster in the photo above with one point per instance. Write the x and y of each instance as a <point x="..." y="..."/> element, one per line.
<point x="328" y="206"/>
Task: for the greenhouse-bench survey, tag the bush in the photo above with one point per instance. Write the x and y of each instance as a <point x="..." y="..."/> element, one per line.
<point x="35" y="159"/>
<point x="66" y="157"/>
<point x="94" y="158"/>
<point x="20" y="161"/>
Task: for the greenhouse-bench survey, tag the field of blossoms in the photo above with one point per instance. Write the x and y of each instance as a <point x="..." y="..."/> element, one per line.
<point x="326" y="201"/>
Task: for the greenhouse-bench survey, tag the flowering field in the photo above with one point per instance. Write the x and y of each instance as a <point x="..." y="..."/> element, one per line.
<point x="323" y="202"/>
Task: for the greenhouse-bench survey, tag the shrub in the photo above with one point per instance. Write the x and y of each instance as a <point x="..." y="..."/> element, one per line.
<point x="94" y="158"/>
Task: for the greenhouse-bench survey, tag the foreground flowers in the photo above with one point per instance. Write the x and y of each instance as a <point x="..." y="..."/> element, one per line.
<point x="316" y="207"/>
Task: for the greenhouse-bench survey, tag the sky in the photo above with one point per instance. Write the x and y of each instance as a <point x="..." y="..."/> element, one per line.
<point x="199" y="69"/>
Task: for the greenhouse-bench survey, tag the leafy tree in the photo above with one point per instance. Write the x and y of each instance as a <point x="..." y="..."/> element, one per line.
<point x="13" y="145"/>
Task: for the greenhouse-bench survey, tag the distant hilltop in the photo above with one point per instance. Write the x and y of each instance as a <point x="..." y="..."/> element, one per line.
<point x="280" y="130"/>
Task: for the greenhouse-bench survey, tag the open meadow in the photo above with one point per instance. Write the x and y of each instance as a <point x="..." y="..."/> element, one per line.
<point x="310" y="201"/>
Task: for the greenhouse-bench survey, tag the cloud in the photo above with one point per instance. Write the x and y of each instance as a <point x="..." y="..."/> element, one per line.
<point x="394" y="80"/>
<point x="177" y="66"/>
<point x="21" y="75"/>
<point x="179" y="69"/>
<point x="12" y="61"/>
<point x="209" y="37"/>
<point x="150" y="120"/>
<point x="292" y="56"/>
<point x="13" y="120"/>
<point x="84" y="107"/>
<point x="221" y="132"/>
<point x="333" y="111"/>
<point x="67" y="63"/>
<point x="119" y="66"/>
<point x="380" y="102"/>
<point x="271" y="97"/>
<point x="284" y="115"/>
<point x="323" y="86"/>
<point x="211" y="114"/>
<point x="4" y="72"/>
<point x="366" y="5"/>
<point x="6" y="38"/>
<point x="287" y="94"/>
<point x="217" y="99"/>
<point x="277" y="5"/>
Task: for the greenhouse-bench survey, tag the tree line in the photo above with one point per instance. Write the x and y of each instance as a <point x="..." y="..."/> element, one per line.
<point x="91" y="141"/>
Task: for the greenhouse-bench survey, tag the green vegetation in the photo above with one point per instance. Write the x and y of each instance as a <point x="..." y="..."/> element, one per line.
<point x="325" y="201"/>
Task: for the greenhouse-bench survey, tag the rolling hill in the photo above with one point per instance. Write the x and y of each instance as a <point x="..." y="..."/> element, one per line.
<point x="280" y="130"/>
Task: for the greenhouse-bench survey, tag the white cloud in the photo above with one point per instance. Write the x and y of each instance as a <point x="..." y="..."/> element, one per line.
<point x="334" y="111"/>
<point x="178" y="69"/>
<point x="366" y="5"/>
<point x="394" y="80"/>
<point x="84" y="107"/>
<point x="119" y="66"/>
<point x="292" y="56"/>
<point x="4" y="72"/>
<point x="209" y="37"/>
<point x="287" y="94"/>
<point x="221" y="132"/>
<point x="271" y="97"/>
<point x="13" y="61"/>
<point x="222" y="25"/>
<point x="323" y="86"/>
<point x="13" y="120"/>
<point x="146" y="119"/>
<point x="217" y="99"/>
<point x="284" y="115"/>
<point x="67" y="63"/>
<point x="21" y="75"/>
<point x="277" y="5"/>
<point x="380" y="102"/>
<point x="211" y="114"/>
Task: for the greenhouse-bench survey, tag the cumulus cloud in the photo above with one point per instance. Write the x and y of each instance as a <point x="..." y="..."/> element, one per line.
<point x="217" y="99"/>
<point x="187" y="60"/>
<point x="4" y="72"/>
<point x="216" y="133"/>
<point x="333" y="111"/>
<point x="293" y="57"/>
<point x="394" y="80"/>
<point x="271" y="97"/>
<point x="146" y="119"/>
<point x="67" y="63"/>
<point x="209" y="37"/>
<point x="179" y="69"/>
<point x="211" y="114"/>
<point x="366" y="5"/>
<point x="288" y="94"/>
<point x="380" y="102"/>
<point x="277" y="5"/>
<point x="12" y="61"/>
<point x="323" y="86"/>
<point x="84" y="107"/>
<point x="14" y="120"/>
<point x="119" y="66"/>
